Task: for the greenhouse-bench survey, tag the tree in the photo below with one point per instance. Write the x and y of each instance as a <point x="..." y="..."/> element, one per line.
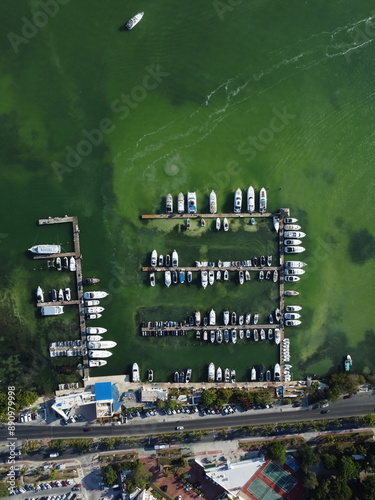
<point x="307" y="457"/>
<point x="329" y="461"/>
<point x="368" y="488"/>
<point x="109" y="475"/>
<point x="276" y="451"/>
<point x="208" y="397"/>
<point x="310" y="481"/>
<point x="348" y="468"/>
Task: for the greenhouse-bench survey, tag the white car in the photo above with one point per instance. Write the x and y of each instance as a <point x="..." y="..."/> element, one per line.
<point x="179" y="428"/>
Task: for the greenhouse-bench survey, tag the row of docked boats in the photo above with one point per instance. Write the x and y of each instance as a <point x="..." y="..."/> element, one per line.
<point x="260" y="374"/>
<point x="226" y="375"/>
<point x="292" y="236"/>
<point x="63" y="263"/>
<point x="182" y="376"/>
<point x="233" y="335"/>
<point x="190" y="206"/>
<point x="97" y="348"/>
<point x="160" y="261"/>
<point x="209" y="277"/>
<point x="251" y="264"/>
<point x="250" y="200"/>
<point x="285" y="350"/>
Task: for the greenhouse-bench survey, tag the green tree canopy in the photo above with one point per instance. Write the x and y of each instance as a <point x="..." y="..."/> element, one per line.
<point x="307" y="457"/>
<point x="109" y="475"/>
<point x="277" y="451"/>
<point x="348" y="468"/>
<point x="368" y="488"/>
<point x="329" y="461"/>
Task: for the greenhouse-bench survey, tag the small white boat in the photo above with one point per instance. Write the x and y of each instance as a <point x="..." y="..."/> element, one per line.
<point x="218" y="224"/>
<point x="255" y="319"/>
<point x="270" y="334"/>
<point x="289" y="315"/>
<point x="174" y="259"/>
<point x="169" y="204"/>
<point x="226" y="224"/>
<point x="150" y="375"/>
<point x="161" y="260"/>
<point x="256" y="335"/>
<point x="294" y="272"/>
<point x="262" y="200"/>
<point x="45" y="249"/>
<point x="234" y="336"/>
<point x="253" y="374"/>
<point x="294" y="234"/>
<point x="133" y="21"/>
<point x="293" y="308"/>
<point x="57" y="263"/>
<point x="212" y="320"/>
<point x="93" y="316"/>
<point x="290" y="220"/>
<point x="294" y="264"/>
<point x="349" y="359"/>
<point x="241" y="334"/>
<point x="93" y="310"/>
<point x="277" y="314"/>
<point x="204" y="278"/>
<point x="68" y="295"/>
<point x="188" y="375"/>
<point x="291" y="278"/>
<point x="277" y="336"/>
<point x="291" y="293"/>
<point x="103" y="344"/>
<point x="154" y="258"/>
<point x="94" y="295"/>
<point x="226" y="275"/>
<point x="211" y="372"/>
<point x="275" y="276"/>
<point x="276" y="372"/>
<point x="250" y="199"/>
<point x="90" y="330"/>
<point x="39" y="294"/>
<point x="94" y="363"/>
<point x="192" y="203"/>
<point x="291" y="249"/>
<point x="262" y="334"/>
<point x="61" y="295"/>
<point x="219" y="374"/>
<point x="167" y="278"/>
<point x="65" y="262"/>
<point x="211" y="277"/>
<point x="91" y="303"/>
<point x="247" y="318"/>
<point x="238" y="201"/>
<point x="189" y="276"/>
<point x="218" y="275"/>
<point x="100" y="354"/>
<point x="72" y="264"/>
<point x="197" y="318"/>
<point x="292" y="242"/>
<point x="292" y="322"/>
<point x="247" y="275"/>
<point x="135" y="373"/>
<point x="276" y="222"/>
<point x="292" y="227"/>
<point x="213" y="202"/>
<point x="241" y="277"/>
<point x="181" y="203"/>
<point x="152" y="279"/>
<point x="226" y="317"/>
<point x="94" y="338"/>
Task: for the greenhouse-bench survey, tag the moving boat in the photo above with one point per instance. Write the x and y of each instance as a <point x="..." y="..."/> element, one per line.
<point x="212" y="336"/>
<point x="294" y="272"/>
<point x="169" y="204"/>
<point x="241" y="277"/>
<point x="39" y="294"/>
<point x="100" y="354"/>
<point x="174" y="259"/>
<point x="291" y="278"/>
<point x="292" y="242"/>
<point x="233" y="376"/>
<point x="152" y="279"/>
<point x="290" y="220"/>
<point x="294" y="249"/>
<point x="261" y="373"/>
<point x="268" y="376"/>
<point x="180" y="203"/>
<point x="253" y="374"/>
<point x="238" y="201"/>
<point x="90" y="281"/>
<point x="192" y="203"/>
<point x="234" y="336"/>
<point x="68" y="295"/>
<point x="276" y="372"/>
<point x="104" y="344"/>
<point x="256" y="335"/>
<point x="213" y="202"/>
<point x="181" y="276"/>
<point x="270" y="334"/>
<point x="294" y="234"/>
<point x="197" y="318"/>
<point x="262" y="200"/>
<point x="250" y="199"/>
<point x="233" y="318"/>
<point x="94" y="338"/>
<point x="204" y="278"/>
<point x="95" y="329"/>
<point x="293" y="308"/>
<point x="45" y="249"/>
<point x="292" y="227"/>
<point x="211" y="277"/>
<point x="218" y="224"/>
<point x="276" y="222"/>
<point x="167" y="278"/>
<point x="176" y="377"/>
<point x="226" y="275"/>
<point x="189" y="276"/>
<point x="133" y="21"/>
<point x="188" y="375"/>
<point x="262" y="334"/>
<point x="57" y="263"/>
<point x="255" y="319"/>
<point x="93" y="363"/>
<point x="212" y="318"/>
<point x="275" y="276"/>
<point x="161" y="260"/>
<point x="226" y="336"/>
<point x="226" y="224"/>
<point x="290" y="293"/>
<point x="277" y="336"/>
<point x="294" y="264"/>
<point x="227" y="375"/>
<point x="135" y="373"/>
<point x="211" y="372"/>
<point x="292" y="322"/>
<point x="150" y="375"/>
<point x="72" y="264"/>
<point x="219" y="375"/>
<point x="154" y="258"/>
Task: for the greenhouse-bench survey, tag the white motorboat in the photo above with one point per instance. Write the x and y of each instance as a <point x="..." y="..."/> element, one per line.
<point x="294" y="249"/>
<point x="234" y="336"/>
<point x="90" y="330"/>
<point x="161" y="260"/>
<point x="213" y="202"/>
<point x="253" y="374"/>
<point x="104" y="344"/>
<point x="72" y="264"/>
<point x="154" y="258"/>
<point x="61" y="295"/>
<point x="291" y="293"/>
<point x="294" y="234"/>
<point x="276" y="222"/>
<point x="294" y="272"/>
<point x="93" y="310"/>
<point x="292" y="243"/>
<point x="57" y="263"/>
<point x="212" y="320"/>
<point x="293" y="308"/>
<point x="247" y="318"/>
<point x="226" y="317"/>
<point x="45" y="249"/>
<point x="294" y="264"/>
<point x="188" y="375"/>
<point x="197" y="318"/>
<point x="256" y="335"/>
<point x="292" y="322"/>
<point x="277" y="336"/>
<point x="150" y="375"/>
<point x="289" y="315"/>
<point x="135" y="373"/>
<point x="211" y="277"/>
<point x="100" y="354"/>
<point x="291" y="278"/>
<point x="226" y="275"/>
<point x="94" y="363"/>
<point x="211" y="372"/>
<point x="238" y="201"/>
<point x="167" y="278"/>
<point x="233" y="376"/>
<point x="133" y="21"/>
<point x="241" y="334"/>
<point x="255" y="318"/>
<point x="39" y="294"/>
<point x="169" y="204"/>
<point x="262" y="200"/>
<point x="219" y="375"/>
<point x="204" y="278"/>
<point x="292" y="227"/>
<point x="262" y="334"/>
<point x="65" y="263"/>
<point x="275" y="276"/>
<point x="218" y="224"/>
<point x="226" y="224"/>
<point x="94" y="338"/>
<point x="93" y="316"/>
<point x="174" y="259"/>
<point x="241" y="277"/>
<point x="91" y="303"/>
<point x="189" y="275"/>
<point x="181" y="203"/>
<point x="290" y="220"/>
<point x="68" y="295"/>
<point x="250" y="199"/>
<point x="270" y="334"/>
<point x="277" y="314"/>
<point x="276" y="372"/>
<point x="152" y="279"/>
<point x="192" y="203"/>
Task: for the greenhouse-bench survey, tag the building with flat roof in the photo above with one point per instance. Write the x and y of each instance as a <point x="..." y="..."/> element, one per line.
<point x="151" y="395"/>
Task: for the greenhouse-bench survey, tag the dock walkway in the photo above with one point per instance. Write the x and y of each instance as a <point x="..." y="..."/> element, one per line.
<point x="240" y="215"/>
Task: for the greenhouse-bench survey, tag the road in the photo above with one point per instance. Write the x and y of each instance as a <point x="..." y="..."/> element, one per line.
<point x="360" y="404"/>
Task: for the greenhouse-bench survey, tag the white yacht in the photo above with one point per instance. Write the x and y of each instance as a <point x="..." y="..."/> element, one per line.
<point x="45" y="249"/>
<point x="93" y="310"/>
<point x="100" y="354"/>
<point x="39" y="294"/>
<point x="294" y="264"/>
<point x="91" y="303"/>
<point x="94" y="338"/>
<point x="238" y="201"/>
<point x="95" y="329"/>
<point x="174" y="259"/>
<point x="72" y="264"/>
<point x="294" y="249"/>
<point x="250" y="199"/>
<point x="167" y="278"/>
<point x="204" y="278"/>
<point x="192" y="203"/>
<point x="94" y="295"/>
<point x="290" y="220"/>
<point x="181" y="203"/>
<point x="213" y="202"/>
<point x="291" y="278"/>
<point x="211" y="372"/>
<point x="105" y="344"/>
<point x="292" y="322"/>
<point x="226" y="318"/>
<point x="262" y="200"/>
<point x="226" y="224"/>
<point x="133" y="21"/>
<point x="154" y="258"/>
<point x="294" y="234"/>
<point x="292" y="242"/>
<point x="212" y="318"/>
<point x="294" y="272"/>
<point x="293" y="308"/>
<point x="276" y="222"/>
<point x="169" y="204"/>
<point x="292" y="227"/>
<point x="135" y="373"/>
<point x="293" y="315"/>
<point x="93" y="363"/>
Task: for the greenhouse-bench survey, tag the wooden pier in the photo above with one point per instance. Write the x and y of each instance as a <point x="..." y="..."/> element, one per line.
<point x="208" y="216"/>
<point x="78" y="278"/>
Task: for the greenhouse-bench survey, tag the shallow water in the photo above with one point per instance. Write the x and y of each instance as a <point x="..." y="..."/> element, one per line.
<point x="267" y="94"/>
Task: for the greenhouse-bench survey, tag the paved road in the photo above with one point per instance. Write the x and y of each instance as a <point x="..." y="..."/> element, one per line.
<point x="360" y="404"/>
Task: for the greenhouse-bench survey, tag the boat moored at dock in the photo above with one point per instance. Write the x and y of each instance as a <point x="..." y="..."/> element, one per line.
<point x="250" y="199"/>
<point x="45" y="249"/>
<point x="262" y="200"/>
<point x="211" y="372"/>
<point x="192" y="203"/>
<point x="181" y="203"/>
<point x="135" y="373"/>
<point x="291" y="249"/>
<point x="213" y="202"/>
<point x="95" y="295"/>
<point x="169" y="204"/>
<point x="174" y="258"/>
<point x="237" y="201"/>
<point x="93" y="330"/>
<point x="100" y="354"/>
<point x="39" y="294"/>
<point x="94" y="363"/>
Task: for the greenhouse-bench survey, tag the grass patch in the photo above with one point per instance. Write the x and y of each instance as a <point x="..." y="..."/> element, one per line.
<point x="161" y="492"/>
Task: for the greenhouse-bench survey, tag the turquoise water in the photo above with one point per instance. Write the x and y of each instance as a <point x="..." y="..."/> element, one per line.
<point x="194" y="98"/>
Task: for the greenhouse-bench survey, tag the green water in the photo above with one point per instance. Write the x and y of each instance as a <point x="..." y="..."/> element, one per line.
<point x="264" y="93"/>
